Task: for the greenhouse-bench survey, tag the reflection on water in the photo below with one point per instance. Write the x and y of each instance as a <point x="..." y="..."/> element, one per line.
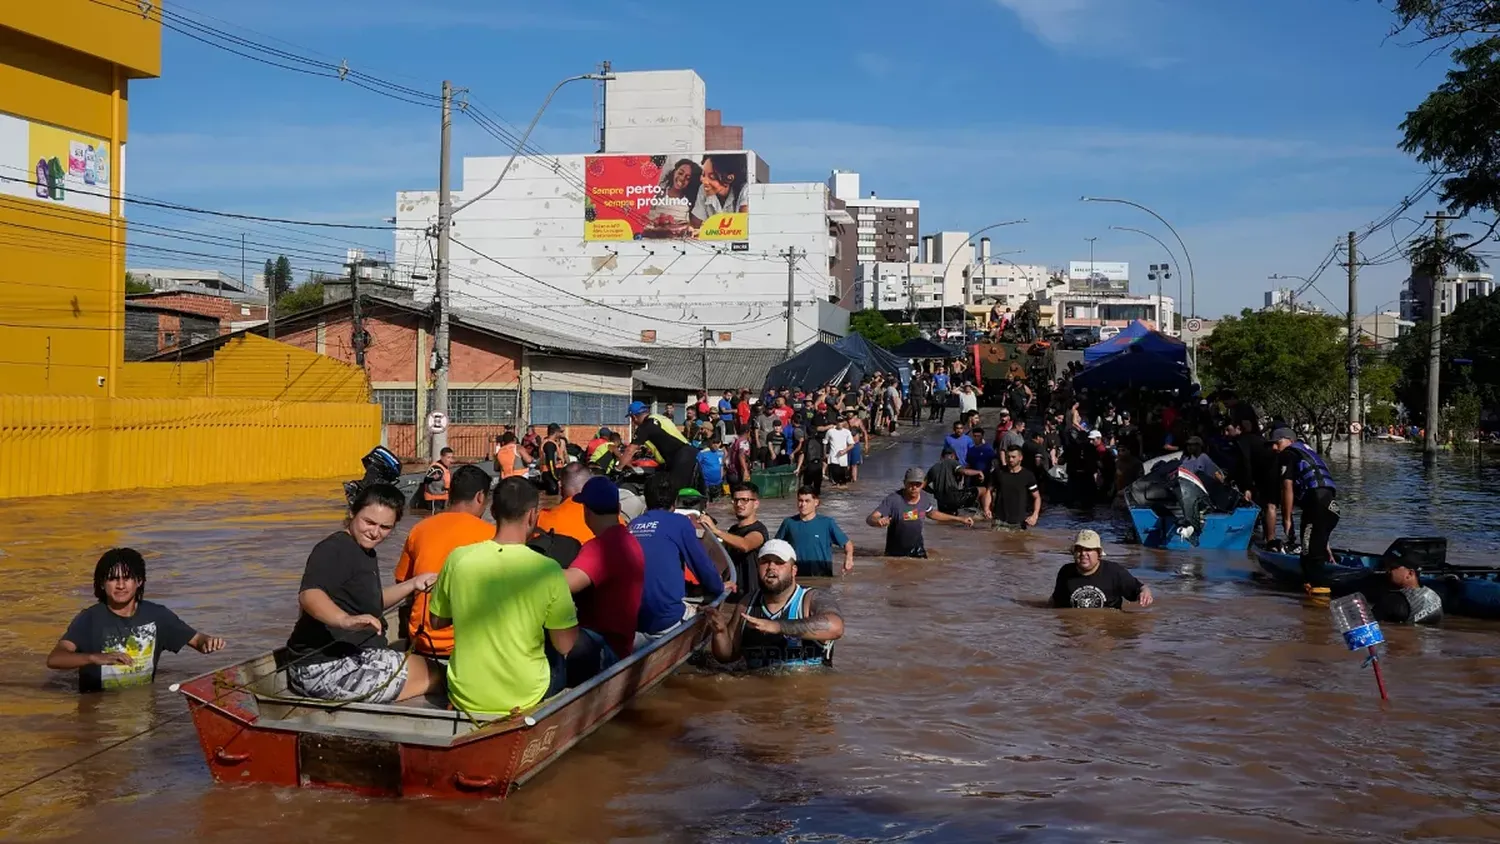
<point x="961" y="708"/>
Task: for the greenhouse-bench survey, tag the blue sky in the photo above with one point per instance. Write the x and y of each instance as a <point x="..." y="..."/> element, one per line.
<point x="1264" y="131"/>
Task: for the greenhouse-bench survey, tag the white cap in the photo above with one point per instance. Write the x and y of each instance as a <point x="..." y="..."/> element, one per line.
<point x="780" y="549"/>
<point x="1095" y="435"/>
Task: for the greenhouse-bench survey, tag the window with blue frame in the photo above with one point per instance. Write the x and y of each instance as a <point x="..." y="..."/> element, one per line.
<point x="577" y="408"/>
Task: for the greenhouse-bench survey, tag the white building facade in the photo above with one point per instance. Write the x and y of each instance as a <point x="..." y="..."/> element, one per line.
<point x="525" y="250"/>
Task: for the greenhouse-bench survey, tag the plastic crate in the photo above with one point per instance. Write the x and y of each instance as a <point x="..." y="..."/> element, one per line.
<point x="775" y="482"/>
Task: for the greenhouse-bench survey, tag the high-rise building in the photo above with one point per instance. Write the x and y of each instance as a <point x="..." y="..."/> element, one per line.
<point x="1457" y="288"/>
<point x="885" y="230"/>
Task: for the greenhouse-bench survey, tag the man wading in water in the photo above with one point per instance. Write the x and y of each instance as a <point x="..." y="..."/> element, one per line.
<point x="901" y="514"/>
<point x="1092" y="582"/>
<point x="786" y="625"/>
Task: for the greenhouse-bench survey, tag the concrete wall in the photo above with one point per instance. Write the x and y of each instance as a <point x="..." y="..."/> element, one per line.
<point x="654" y="112"/>
<point x="533" y="225"/>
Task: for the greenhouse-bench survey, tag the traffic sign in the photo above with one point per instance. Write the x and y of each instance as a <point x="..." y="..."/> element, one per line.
<point x="1355" y="427"/>
<point x="1194" y="325"/>
<point x="437" y="422"/>
<point x="942" y="334"/>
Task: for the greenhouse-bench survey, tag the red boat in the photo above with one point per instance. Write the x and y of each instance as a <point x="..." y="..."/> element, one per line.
<point x="254" y="730"/>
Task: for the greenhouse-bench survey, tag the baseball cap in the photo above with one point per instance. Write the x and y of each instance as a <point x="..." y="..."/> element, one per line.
<point x="604" y="432"/>
<point x="635" y="407"/>
<point x="915" y="475"/>
<point x="780" y="549"/>
<point x="1088" y="539"/>
<point x="600" y="496"/>
<point x="1283" y="434"/>
<point x="1095" y="435"/>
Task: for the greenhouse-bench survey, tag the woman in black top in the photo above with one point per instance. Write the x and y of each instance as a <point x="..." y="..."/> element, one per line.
<point x="338" y="646"/>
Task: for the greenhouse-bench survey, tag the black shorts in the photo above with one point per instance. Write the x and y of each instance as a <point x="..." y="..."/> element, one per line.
<point x="815" y="568"/>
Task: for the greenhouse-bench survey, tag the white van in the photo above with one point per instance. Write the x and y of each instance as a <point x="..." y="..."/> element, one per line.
<point x="1108" y="332"/>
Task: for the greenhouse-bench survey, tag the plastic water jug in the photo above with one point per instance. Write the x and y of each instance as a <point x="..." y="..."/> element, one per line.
<point x="1353" y="618"/>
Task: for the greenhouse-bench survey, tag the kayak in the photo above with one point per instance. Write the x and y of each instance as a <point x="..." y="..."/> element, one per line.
<point x="1221" y="531"/>
<point x="1472" y="592"/>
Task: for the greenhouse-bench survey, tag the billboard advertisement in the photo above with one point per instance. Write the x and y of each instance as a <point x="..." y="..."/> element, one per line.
<point x="46" y="163"/>
<point x="692" y="196"/>
<point x="1115" y="271"/>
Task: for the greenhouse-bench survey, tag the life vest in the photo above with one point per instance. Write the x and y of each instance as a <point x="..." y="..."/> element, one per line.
<point x="1313" y="472"/>
<point x="597" y="450"/>
<point x="428" y="494"/>
<point x="508" y="461"/>
<point x="764" y="650"/>
<point x="593" y="448"/>
<point x="669" y="428"/>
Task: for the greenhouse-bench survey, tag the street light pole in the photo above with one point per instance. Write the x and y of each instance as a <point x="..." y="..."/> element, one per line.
<point x="1170" y="254"/>
<point x="967" y="241"/>
<point x="1291" y="304"/>
<point x="1192" y="276"/>
<point x="1091" y="259"/>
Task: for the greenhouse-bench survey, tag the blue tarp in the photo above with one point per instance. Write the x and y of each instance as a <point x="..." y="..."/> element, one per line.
<point x="1137" y="366"/>
<point x="1137" y="334"/>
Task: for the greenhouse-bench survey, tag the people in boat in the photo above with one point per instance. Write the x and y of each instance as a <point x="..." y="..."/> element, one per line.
<point x="567" y="518"/>
<point x="787" y="625"/>
<point x="666" y="441"/>
<point x="428" y="545"/>
<point x="1092" y="582"/>
<point x="1200" y="464"/>
<point x="1017" y="497"/>
<point x="606" y="579"/>
<point x="118" y="642"/>
<point x="505" y="603"/>
<point x="338" y="646"/>
<point x="748" y="533"/>
<point x="435" y="483"/>
<point x="814" y="537"/>
<point x="670" y="542"/>
<point x="1307" y="483"/>
<point x="902" y="512"/>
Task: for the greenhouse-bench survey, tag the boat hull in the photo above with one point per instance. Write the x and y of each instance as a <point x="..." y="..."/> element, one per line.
<point x="1475" y="594"/>
<point x="1221" y="531"/>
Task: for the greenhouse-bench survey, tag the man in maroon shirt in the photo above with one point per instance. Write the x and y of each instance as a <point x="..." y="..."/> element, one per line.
<point x="606" y="580"/>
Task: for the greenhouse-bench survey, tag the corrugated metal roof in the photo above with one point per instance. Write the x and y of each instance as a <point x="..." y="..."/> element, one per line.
<point x="540" y="339"/>
<point x="728" y="369"/>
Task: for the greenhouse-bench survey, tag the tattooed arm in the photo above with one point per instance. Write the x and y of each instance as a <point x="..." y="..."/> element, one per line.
<point x="823" y="622"/>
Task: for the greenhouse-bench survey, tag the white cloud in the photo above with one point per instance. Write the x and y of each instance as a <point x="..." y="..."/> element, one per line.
<point x="1116" y="30"/>
<point x="1060" y="23"/>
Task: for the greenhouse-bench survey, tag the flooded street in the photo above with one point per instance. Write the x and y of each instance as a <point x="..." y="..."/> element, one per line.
<point x="961" y="708"/>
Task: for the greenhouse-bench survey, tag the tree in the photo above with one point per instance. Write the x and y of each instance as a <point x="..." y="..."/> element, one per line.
<point x="1289" y="365"/>
<point x="1377" y="381"/>
<point x="268" y="279"/>
<point x="134" y="286"/>
<point x="873" y="326"/>
<point x="1469" y="361"/>
<point x="282" y="273"/>
<point x="302" y="297"/>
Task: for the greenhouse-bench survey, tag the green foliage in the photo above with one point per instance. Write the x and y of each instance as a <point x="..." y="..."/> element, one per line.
<point x="1293" y="365"/>
<point x="1444" y="19"/>
<point x="133" y="286"/>
<point x="281" y="277"/>
<point x="300" y="298"/>
<point x="1460" y="423"/>
<point x="1377" y="383"/>
<point x="1472" y="333"/>
<point x="873" y="326"/>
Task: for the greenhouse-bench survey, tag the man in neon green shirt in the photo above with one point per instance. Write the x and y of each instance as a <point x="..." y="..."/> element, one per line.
<point x="505" y="602"/>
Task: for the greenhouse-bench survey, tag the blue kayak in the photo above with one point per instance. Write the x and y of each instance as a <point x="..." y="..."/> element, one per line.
<point x="1469" y="592"/>
<point x="1221" y="531"/>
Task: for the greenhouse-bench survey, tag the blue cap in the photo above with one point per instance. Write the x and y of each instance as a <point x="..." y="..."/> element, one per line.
<point x="599" y="495"/>
<point x="636" y="407"/>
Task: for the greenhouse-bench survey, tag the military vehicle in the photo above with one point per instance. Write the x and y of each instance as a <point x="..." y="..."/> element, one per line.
<point x="998" y="362"/>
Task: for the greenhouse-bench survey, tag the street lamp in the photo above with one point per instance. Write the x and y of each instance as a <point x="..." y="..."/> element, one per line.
<point x="1192" y="276"/>
<point x="1175" y="263"/>
<point x="942" y="313"/>
<point x="1291" y="303"/>
<point x="597" y="77"/>
<point x="1091" y="259"/>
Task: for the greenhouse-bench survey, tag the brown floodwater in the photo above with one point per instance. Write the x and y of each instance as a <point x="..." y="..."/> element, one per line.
<point x="960" y="708"/>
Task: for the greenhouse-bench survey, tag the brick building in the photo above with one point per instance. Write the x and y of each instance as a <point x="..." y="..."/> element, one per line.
<point x="232" y="312"/>
<point x="151" y="329"/>
<point x="502" y="373"/>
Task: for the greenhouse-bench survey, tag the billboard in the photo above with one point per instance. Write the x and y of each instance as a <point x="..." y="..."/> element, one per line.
<point x="1101" y="271"/>
<point x="693" y="196"/>
<point x="54" y="165"/>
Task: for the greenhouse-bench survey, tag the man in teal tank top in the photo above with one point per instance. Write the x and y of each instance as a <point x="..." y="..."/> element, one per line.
<point x="782" y="624"/>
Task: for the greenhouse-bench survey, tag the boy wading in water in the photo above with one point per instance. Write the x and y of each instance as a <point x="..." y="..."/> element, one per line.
<point x="116" y="643"/>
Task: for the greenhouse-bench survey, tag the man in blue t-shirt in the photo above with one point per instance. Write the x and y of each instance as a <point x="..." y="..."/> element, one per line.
<point x="670" y="543"/>
<point x="940" y="387"/>
<point x="959" y="442"/>
<point x="981" y="458"/>
<point x="813" y="537"/>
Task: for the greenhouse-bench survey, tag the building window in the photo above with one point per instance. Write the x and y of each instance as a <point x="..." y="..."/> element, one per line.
<point x="910" y="211"/>
<point x="397" y="407"/>
<point x="909" y="224"/>
<point x="168" y="338"/>
<point x="565" y="408"/>
<point x="482" y="407"/>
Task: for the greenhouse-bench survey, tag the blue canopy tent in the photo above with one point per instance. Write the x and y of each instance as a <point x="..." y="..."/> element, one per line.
<point x="1137" y="366"/>
<point x="1137" y="335"/>
<point x="870" y="358"/>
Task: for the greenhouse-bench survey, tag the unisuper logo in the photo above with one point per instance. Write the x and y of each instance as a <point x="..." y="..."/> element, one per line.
<point x="725" y="227"/>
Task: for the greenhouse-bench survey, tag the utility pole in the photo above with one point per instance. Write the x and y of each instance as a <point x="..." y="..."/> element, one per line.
<point x="440" y="294"/>
<point x="791" y="256"/>
<point x="1435" y="349"/>
<point x="706" y="334"/>
<point x="359" y="338"/>
<point x="1355" y="445"/>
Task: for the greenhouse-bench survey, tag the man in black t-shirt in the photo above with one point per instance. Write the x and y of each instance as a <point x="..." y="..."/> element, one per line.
<point x="743" y="538"/>
<point x="1017" y="498"/>
<point x="945" y="480"/>
<point x="1092" y="582"/>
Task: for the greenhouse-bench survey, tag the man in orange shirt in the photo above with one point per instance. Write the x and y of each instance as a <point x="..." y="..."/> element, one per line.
<point x="566" y="519"/>
<point x="433" y="539"/>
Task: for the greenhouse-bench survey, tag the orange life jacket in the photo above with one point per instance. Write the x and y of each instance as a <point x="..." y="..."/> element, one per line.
<point x="507" y="460"/>
<point x="428" y="494"/>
